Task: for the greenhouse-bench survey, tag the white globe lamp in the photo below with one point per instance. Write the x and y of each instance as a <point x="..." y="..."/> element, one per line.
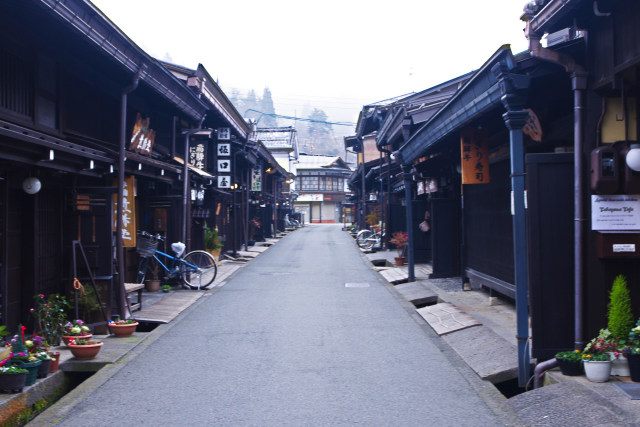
<point x="31" y="185"/>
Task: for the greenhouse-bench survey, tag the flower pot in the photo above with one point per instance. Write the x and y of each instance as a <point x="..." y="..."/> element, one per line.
<point x="215" y="253"/>
<point x="634" y="366"/>
<point x="31" y="367"/>
<point x="55" y="361"/>
<point x="43" y="369"/>
<point x="251" y="242"/>
<point x="399" y="261"/>
<point x="85" y="352"/>
<point x="67" y="338"/>
<point x="122" y="331"/>
<point x="570" y="368"/>
<point x="12" y="383"/>
<point x="152" y="285"/>
<point x="597" y="371"/>
<point x="619" y="365"/>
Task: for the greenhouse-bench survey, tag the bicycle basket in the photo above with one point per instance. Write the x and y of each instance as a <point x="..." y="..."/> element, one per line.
<point x="146" y="246"/>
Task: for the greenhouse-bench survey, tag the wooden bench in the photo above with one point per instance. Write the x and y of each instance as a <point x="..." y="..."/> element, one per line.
<point x="130" y="288"/>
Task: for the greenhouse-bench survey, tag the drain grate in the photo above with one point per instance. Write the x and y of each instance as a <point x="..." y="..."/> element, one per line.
<point x="357" y="285"/>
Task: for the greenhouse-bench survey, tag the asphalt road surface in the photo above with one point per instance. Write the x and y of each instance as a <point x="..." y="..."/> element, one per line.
<point x="307" y="334"/>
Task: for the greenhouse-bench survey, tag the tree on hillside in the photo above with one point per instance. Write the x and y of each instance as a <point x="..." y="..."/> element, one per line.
<point x="251" y="102"/>
<point x="318" y="130"/>
<point x="266" y="106"/>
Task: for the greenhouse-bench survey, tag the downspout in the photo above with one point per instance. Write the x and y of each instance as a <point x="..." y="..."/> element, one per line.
<point x="387" y="227"/>
<point x="579" y="84"/>
<point x="406" y="175"/>
<point x="121" y="297"/>
<point x="364" y="202"/>
<point x="186" y="197"/>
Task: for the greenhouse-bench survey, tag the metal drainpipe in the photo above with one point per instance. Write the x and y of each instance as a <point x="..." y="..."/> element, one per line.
<point x="579" y="84"/>
<point x="387" y="234"/>
<point x="406" y="175"/>
<point x="120" y="295"/>
<point x="186" y="197"/>
<point x="364" y="202"/>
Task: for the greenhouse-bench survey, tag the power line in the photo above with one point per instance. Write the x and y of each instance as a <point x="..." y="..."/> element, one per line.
<point x="279" y="116"/>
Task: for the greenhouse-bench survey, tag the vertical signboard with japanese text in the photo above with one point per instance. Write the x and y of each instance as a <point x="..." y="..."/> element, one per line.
<point x="256" y="179"/>
<point x="223" y="155"/>
<point x="474" y="151"/>
<point x="142" y="138"/>
<point x="128" y="212"/>
<point x="198" y="154"/>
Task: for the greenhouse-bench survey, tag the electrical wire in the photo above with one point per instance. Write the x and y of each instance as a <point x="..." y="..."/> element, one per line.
<point x="279" y="116"/>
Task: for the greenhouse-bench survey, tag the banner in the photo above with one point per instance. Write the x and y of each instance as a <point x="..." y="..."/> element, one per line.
<point x="474" y="156"/>
<point x="128" y="212"/>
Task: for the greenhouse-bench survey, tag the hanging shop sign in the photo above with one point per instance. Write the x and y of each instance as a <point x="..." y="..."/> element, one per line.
<point x="615" y="212"/>
<point x="224" y="166"/>
<point x="420" y="187"/>
<point x="532" y="126"/>
<point x="310" y="198"/>
<point x="224" y="134"/>
<point x="128" y="212"/>
<point x="224" y="181"/>
<point x="256" y="179"/>
<point x="142" y="138"/>
<point x="474" y="156"/>
<point x="198" y="154"/>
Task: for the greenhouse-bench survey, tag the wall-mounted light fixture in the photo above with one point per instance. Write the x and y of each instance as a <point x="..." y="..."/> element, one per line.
<point x="633" y="157"/>
<point x="31" y="185"/>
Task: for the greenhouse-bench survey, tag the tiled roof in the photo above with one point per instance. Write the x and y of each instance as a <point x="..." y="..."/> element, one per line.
<point x="306" y="161"/>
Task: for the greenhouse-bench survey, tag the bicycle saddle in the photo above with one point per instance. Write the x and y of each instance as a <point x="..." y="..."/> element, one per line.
<point x="178" y="248"/>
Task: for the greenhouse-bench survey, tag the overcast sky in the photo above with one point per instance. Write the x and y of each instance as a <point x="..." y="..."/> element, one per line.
<point x="337" y="55"/>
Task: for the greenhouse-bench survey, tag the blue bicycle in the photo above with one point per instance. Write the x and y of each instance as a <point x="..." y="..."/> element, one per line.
<point x="197" y="269"/>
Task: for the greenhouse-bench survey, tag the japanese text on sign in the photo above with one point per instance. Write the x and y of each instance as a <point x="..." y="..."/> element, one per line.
<point x="224" y="165"/>
<point x="197" y="155"/>
<point x="142" y="138"/>
<point x="224" y="134"/>
<point x="128" y="212"/>
<point x="474" y="156"/>
<point x="224" y="150"/>
<point x="224" y="181"/>
<point x="256" y="179"/>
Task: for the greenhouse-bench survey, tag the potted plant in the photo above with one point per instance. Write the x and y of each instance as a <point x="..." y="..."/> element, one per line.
<point x="45" y="363"/>
<point x="400" y="239"/>
<point x="153" y="284"/>
<point x="212" y="242"/>
<point x="12" y="378"/>
<point x="166" y="288"/>
<point x="597" y="366"/>
<point x="76" y="329"/>
<point x="254" y="225"/>
<point x="37" y="347"/>
<point x="570" y="362"/>
<point x="620" y="322"/>
<point x="50" y="317"/>
<point x="83" y="349"/>
<point x="123" y="328"/>
<point x="632" y="352"/>
<point x="29" y="362"/>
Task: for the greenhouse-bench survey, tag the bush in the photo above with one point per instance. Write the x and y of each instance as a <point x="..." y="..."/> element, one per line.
<point x="621" y="318"/>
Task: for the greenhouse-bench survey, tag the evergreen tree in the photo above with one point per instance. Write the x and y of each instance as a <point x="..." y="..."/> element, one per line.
<point x="251" y="103"/>
<point x="266" y="106"/>
<point x="620" y="316"/>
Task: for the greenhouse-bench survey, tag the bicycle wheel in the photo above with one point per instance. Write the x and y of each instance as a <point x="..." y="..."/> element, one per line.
<point x="142" y="269"/>
<point x="204" y="272"/>
<point x="362" y="237"/>
<point x="371" y="241"/>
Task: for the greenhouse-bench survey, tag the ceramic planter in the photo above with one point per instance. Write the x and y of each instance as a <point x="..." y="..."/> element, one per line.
<point x="12" y="383"/>
<point x="597" y="371"/>
<point x="55" y="360"/>
<point x="124" y="330"/>
<point x="152" y="285"/>
<point x="619" y="365"/>
<point x="85" y="352"/>
<point x="43" y="369"/>
<point x="67" y="338"/>
<point x="570" y="368"/>
<point x="31" y="367"/>
<point x="634" y="366"/>
<point x="399" y="261"/>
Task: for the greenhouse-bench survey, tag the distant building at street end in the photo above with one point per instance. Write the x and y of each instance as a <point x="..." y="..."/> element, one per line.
<point x="321" y="183"/>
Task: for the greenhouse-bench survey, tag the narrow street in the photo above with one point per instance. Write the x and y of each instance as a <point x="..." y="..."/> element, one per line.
<point x="306" y="334"/>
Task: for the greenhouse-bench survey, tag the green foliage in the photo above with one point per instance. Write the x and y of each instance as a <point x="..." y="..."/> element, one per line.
<point x="166" y="288"/>
<point x="87" y="302"/>
<point x="50" y="314"/>
<point x="571" y="356"/>
<point x="211" y="239"/>
<point x="620" y="316"/>
<point x="595" y="357"/>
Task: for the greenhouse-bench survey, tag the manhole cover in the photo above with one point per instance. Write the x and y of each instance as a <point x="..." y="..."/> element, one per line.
<point x="356" y="285"/>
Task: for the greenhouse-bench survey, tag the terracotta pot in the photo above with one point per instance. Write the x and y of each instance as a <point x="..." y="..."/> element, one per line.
<point x="67" y="338"/>
<point x="55" y="361"/>
<point x="152" y="285"/>
<point x="122" y="331"/>
<point x="399" y="260"/>
<point x="215" y="253"/>
<point x="85" y="352"/>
